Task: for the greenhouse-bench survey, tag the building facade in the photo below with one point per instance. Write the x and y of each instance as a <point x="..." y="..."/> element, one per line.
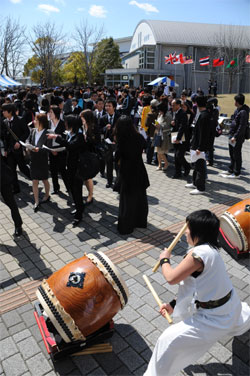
<point x="153" y="40"/>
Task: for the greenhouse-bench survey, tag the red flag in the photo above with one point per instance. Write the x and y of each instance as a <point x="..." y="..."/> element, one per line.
<point x="218" y="62"/>
<point x="179" y="59"/>
<point x="248" y="59"/>
<point x="170" y="59"/>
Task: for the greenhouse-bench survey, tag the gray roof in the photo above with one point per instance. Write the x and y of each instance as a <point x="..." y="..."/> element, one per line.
<point x="197" y="34"/>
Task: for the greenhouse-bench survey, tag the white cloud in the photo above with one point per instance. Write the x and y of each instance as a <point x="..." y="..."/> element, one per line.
<point x="46" y="8"/>
<point x="97" y="11"/>
<point x="145" y="6"/>
<point x="80" y="9"/>
<point x="15" y="1"/>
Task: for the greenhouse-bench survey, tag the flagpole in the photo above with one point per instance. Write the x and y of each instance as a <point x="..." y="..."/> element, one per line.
<point x="194" y="71"/>
<point x="222" y="89"/>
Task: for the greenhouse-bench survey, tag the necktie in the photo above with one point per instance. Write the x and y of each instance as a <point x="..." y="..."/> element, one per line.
<point x="111" y="120"/>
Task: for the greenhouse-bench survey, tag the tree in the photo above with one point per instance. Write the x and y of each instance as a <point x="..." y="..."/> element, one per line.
<point x="87" y="38"/>
<point x="12" y="47"/>
<point x="231" y="44"/>
<point x="107" y="56"/>
<point x="73" y="70"/>
<point x="48" y="46"/>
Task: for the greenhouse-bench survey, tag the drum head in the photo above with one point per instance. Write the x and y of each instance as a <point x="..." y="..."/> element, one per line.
<point x="112" y="275"/>
<point x="233" y="231"/>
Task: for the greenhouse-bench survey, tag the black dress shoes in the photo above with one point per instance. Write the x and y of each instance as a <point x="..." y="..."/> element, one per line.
<point x="76" y="222"/>
<point x="108" y="185"/>
<point x="18" y="231"/>
<point x="36" y="207"/>
<point x="176" y="176"/>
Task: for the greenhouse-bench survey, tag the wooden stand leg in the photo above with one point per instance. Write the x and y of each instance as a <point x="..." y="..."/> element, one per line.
<point x="100" y="348"/>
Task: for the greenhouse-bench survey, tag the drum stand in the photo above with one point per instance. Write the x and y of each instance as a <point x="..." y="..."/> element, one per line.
<point x="229" y="248"/>
<point x="57" y="348"/>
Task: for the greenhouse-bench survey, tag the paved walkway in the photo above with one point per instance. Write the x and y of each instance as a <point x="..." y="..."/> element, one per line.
<point x="50" y="242"/>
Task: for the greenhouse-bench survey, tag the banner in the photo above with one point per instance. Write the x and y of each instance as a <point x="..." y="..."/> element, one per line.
<point x="204" y="61"/>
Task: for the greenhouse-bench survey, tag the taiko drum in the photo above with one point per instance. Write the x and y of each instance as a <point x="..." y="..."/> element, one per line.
<point x="235" y="223"/>
<point x="83" y="296"/>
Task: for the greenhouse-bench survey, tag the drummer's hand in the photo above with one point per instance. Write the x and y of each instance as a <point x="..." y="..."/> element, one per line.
<point x="166" y="307"/>
<point x="165" y="254"/>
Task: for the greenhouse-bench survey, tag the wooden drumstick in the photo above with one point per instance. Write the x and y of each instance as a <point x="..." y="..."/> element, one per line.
<point x="172" y="245"/>
<point x="157" y="299"/>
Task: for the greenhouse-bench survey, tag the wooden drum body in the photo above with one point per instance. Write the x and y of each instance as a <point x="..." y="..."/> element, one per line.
<point x="235" y="224"/>
<point x="83" y="296"/>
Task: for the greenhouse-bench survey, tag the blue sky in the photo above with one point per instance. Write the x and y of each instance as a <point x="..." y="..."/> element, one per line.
<point x="120" y="17"/>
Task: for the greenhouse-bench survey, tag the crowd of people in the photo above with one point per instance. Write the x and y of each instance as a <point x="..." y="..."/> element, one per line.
<point x="44" y="133"/>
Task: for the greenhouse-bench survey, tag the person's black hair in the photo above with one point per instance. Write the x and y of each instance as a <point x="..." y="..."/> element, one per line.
<point x="184" y="92"/>
<point x="201" y="101"/>
<point x="146" y="100"/>
<point x="57" y="101"/>
<point x="65" y="94"/>
<point x="124" y="129"/>
<point x="73" y="122"/>
<point x="21" y="94"/>
<point x="56" y="111"/>
<point x="99" y="99"/>
<point x="112" y="101"/>
<point x="29" y="104"/>
<point x="162" y="107"/>
<point x="45" y="105"/>
<point x="178" y="101"/>
<point x="240" y="98"/>
<point x="10" y="107"/>
<point x="204" y="226"/>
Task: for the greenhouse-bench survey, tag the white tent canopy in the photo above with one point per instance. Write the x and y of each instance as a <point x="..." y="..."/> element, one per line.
<point x="162" y="80"/>
<point x="8" y="82"/>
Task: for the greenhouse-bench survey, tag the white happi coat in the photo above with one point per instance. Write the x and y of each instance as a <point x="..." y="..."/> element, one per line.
<point x="185" y="342"/>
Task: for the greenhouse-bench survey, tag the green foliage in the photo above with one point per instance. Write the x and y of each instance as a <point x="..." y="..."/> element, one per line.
<point x="73" y="70"/>
<point x="107" y="56"/>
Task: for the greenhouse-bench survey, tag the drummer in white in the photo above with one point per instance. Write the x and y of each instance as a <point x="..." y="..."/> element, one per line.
<point x="207" y="303"/>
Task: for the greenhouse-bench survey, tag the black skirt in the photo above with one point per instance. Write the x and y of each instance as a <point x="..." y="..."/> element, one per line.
<point x="133" y="210"/>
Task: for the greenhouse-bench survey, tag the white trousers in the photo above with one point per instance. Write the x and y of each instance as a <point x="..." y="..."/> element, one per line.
<point x="182" y="344"/>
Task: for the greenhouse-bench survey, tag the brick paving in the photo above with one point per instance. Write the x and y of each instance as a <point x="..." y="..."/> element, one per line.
<point x="50" y="242"/>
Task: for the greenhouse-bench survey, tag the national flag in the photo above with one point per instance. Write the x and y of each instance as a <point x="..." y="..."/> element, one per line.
<point x="204" y="61"/>
<point x="188" y="60"/>
<point x="247" y="59"/>
<point x="218" y="62"/>
<point x="233" y="63"/>
<point x="179" y="59"/>
<point x="170" y="59"/>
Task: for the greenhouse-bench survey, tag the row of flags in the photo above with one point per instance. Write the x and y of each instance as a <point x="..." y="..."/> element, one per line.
<point x="180" y="59"/>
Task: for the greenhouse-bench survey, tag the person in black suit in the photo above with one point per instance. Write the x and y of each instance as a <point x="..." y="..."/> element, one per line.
<point x="76" y="109"/>
<point x="133" y="204"/>
<point x="200" y="143"/>
<point x="180" y="125"/>
<point x="39" y="166"/>
<point x="7" y="177"/>
<point x="107" y="125"/>
<point x="57" y="159"/>
<point x="99" y="112"/>
<point x="14" y="150"/>
<point x="75" y="144"/>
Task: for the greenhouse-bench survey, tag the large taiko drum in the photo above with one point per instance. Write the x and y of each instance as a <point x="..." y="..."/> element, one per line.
<point x="235" y="224"/>
<point x="83" y="296"/>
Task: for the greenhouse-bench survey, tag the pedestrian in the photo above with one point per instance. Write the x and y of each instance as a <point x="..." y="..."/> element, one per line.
<point x="199" y="146"/>
<point x="237" y="137"/>
<point x="207" y="302"/>
<point x="133" y="204"/>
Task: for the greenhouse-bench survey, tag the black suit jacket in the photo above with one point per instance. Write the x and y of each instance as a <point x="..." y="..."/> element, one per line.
<point x="20" y="129"/>
<point x="181" y="125"/>
<point x="202" y="131"/>
<point x="104" y="122"/>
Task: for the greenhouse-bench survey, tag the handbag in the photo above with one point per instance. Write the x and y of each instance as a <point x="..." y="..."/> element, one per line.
<point x="157" y="140"/>
<point x="88" y="166"/>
